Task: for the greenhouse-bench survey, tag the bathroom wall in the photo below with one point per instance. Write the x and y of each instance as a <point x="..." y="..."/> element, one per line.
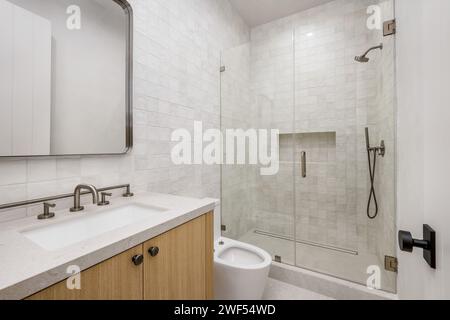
<point x="177" y="58"/>
<point x="423" y="70"/>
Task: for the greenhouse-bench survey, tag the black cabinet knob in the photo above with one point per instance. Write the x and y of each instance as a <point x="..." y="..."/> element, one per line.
<point x="138" y="259"/>
<point x="153" y="251"/>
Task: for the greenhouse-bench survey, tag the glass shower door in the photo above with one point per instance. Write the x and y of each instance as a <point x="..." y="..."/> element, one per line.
<point x="336" y="99"/>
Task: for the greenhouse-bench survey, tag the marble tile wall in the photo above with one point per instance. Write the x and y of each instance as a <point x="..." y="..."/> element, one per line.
<point x="177" y="57"/>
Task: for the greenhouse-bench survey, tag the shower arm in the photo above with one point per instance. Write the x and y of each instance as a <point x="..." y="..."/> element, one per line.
<point x="373" y="48"/>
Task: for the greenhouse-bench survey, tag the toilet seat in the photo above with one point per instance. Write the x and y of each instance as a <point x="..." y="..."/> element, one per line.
<point x="241" y="255"/>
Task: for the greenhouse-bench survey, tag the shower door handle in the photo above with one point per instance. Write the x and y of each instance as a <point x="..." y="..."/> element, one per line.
<point x="303" y="160"/>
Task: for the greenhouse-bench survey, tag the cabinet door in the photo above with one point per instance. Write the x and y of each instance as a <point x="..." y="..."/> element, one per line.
<point x="115" y="279"/>
<point x="180" y="269"/>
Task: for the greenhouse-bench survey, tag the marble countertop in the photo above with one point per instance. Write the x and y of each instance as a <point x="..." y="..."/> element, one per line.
<point x="26" y="268"/>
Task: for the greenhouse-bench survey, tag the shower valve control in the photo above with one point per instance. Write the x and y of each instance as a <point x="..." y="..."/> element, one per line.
<point x="407" y="243"/>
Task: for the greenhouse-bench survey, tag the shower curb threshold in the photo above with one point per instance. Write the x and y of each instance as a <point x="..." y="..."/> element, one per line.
<point x="326" y="285"/>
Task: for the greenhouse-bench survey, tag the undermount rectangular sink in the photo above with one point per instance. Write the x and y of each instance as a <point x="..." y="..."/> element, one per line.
<point x="60" y="235"/>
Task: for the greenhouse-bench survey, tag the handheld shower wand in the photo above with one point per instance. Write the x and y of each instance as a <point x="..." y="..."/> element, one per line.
<point x="377" y="151"/>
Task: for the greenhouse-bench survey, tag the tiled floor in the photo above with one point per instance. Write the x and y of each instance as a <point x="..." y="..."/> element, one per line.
<point x="277" y="290"/>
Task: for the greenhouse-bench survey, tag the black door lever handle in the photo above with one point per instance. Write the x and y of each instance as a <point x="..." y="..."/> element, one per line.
<point x="407" y="243"/>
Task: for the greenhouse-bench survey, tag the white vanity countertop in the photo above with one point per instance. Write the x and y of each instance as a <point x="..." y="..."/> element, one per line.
<point x="26" y="268"/>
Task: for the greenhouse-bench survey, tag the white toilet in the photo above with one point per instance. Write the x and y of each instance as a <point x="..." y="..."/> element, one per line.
<point x="241" y="270"/>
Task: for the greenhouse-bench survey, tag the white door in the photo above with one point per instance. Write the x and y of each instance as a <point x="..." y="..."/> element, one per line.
<point x="423" y="55"/>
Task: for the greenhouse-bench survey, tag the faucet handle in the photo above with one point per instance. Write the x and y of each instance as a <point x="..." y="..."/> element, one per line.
<point x="47" y="206"/>
<point x="103" y="201"/>
<point x="128" y="193"/>
<point x="47" y="214"/>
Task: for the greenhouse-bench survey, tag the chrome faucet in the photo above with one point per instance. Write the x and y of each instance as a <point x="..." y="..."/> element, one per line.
<point x="77" y="196"/>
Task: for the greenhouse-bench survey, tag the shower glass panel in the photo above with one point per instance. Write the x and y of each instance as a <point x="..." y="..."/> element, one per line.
<point x="299" y="75"/>
<point x="257" y="93"/>
<point x="337" y="98"/>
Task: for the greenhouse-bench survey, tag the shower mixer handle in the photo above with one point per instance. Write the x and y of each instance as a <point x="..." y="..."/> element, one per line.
<point x="381" y="150"/>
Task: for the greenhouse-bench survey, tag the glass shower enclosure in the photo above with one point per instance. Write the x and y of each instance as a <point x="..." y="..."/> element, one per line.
<point x="326" y="209"/>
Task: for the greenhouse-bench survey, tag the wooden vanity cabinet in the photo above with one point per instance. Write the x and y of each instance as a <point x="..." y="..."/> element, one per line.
<point x="115" y="279"/>
<point x="180" y="265"/>
<point x="176" y="265"/>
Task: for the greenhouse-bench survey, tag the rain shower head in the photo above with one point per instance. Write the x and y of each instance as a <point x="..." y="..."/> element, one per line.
<point x="363" y="58"/>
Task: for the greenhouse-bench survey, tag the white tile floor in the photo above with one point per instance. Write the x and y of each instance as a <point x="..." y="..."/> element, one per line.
<point x="277" y="290"/>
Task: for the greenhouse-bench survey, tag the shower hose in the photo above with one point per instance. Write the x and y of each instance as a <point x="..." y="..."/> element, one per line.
<point x="373" y="196"/>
